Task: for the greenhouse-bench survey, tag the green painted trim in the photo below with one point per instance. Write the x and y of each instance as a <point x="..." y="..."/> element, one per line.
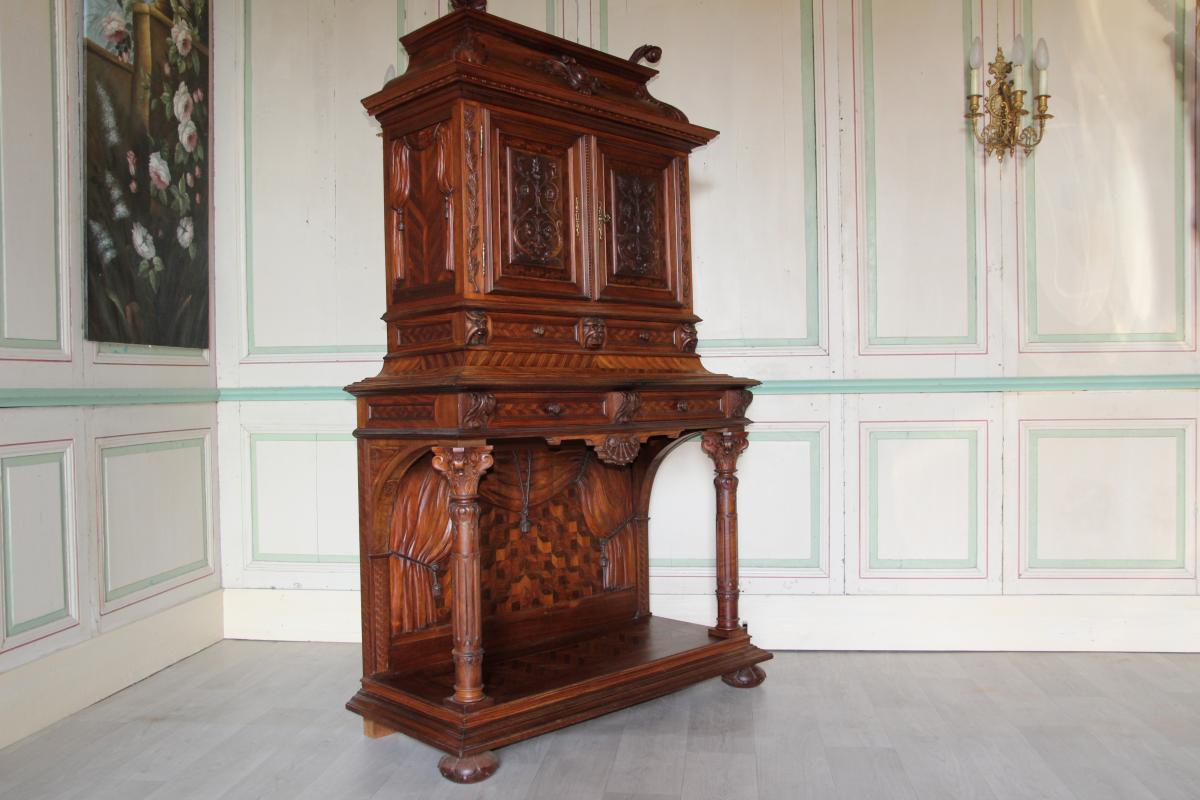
<point x="59" y="457"/>
<point x="1179" y="334"/>
<point x="50" y="397"/>
<point x="813" y="437"/>
<point x="971" y="337"/>
<point x="1181" y="485"/>
<point x="125" y="349"/>
<point x="252" y="348"/>
<point x="603" y="44"/>
<point x="971" y="561"/>
<point x="769" y="343"/>
<point x="551" y="22"/>
<point x="256" y="554"/>
<point x="1007" y="385"/>
<point x="401" y="29"/>
<point x="44" y="398"/>
<point x="122" y="451"/>
<point x="22" y="343"/>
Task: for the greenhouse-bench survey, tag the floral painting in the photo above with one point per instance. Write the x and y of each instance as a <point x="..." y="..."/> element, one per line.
<point x="146" y="75"/>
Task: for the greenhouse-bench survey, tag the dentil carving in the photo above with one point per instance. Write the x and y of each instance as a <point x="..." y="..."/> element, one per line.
<point x="592" y="332"/>
<point x="618" y="449"/>
<point x="573" y="74"/>
<point x="481" y="406"/>
<point x="477" y="326"/>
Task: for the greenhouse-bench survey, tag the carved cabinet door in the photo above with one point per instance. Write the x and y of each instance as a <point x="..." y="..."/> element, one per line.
<point x="637" y="228"/>
<point x="537" y="213"/>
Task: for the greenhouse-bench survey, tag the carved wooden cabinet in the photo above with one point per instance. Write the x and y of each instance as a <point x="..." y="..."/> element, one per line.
<point x="540" y="365"/>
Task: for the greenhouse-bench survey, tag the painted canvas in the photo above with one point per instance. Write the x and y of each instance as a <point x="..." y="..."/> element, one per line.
<point x="146" y="76"/>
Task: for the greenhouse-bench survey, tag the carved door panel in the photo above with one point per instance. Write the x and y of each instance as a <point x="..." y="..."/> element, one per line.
<point x="420" y="220"/>
<point x="537" y="214"/>
<point x="637" y="228"/>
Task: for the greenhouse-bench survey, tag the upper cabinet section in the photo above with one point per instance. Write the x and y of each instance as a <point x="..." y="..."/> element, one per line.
<point x="522" y="168"/>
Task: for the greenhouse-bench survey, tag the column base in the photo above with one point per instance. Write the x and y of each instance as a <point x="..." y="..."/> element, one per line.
<point x="729" y="633"/>
<point x="746" y="677"/>
<point x="474" y="705"/>
<point x="469" y="769"/>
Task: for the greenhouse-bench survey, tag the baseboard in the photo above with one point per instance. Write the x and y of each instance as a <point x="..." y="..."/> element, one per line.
<point x="44" y="691"/>
<point x="292" y="615"/>
<point x="816" y="622"/>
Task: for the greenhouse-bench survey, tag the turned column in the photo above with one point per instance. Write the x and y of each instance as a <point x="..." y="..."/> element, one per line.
<point x="724" y="447"/>
<point x="462" y="468"/>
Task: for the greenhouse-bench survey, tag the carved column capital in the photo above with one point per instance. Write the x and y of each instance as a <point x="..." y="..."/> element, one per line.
<point x="724" y="447"/>
<point x="463" y="467"/>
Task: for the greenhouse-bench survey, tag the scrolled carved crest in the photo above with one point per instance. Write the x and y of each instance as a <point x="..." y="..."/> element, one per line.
<point x="480" y="407"/>
<point x="651" y="52"/>
<point x="618" y="449"/>
<point x="477" y="326"/>
<point x="592" y="333"/>
<point x="724" y="447"/>
<point x="687" y="337"/>
<point x="472" y="5"/>
<point x="572" y="73"/>
<point x="463" y="467"/>
<point x="628" y="407"/>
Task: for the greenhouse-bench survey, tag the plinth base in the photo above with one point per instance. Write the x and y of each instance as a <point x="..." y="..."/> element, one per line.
<point x="538" y="691"/>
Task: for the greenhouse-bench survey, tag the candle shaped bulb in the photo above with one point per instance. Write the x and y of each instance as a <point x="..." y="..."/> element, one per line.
<point x="1018" y="51"/>
<point x="1041" y="60"/>
<point x="975" y="61"/>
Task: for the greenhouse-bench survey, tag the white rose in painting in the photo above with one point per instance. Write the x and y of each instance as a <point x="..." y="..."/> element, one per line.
<point x="181" y="35"/>
<point x="112" y="27"/>
<point x="182" y="103"/>
<point x="143" y="242"/>
<point x="184" y="232"/>
<point x="189" y="137"/>
<point x="160" y="173"/>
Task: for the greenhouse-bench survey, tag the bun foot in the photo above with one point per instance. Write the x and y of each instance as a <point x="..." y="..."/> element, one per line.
<point x="746" y="677"/>
<point x="469" y="769"/>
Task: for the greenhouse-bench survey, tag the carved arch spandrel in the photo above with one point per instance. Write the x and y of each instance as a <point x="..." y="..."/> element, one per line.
<point x="645" y="469"/>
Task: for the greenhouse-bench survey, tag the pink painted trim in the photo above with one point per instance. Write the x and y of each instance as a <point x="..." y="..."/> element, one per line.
<point x="101" y="556"/>
<point x="1022" y="573"/>
<point x="981" y="275"/>
<point x="1189" y="270"/>
<point x="987" y="526"/>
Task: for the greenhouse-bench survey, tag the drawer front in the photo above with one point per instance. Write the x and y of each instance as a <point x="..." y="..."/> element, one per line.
<point x="531" y="330"/>
<point x="571" y="407"/>
<point x="681" y="405"/>
<point x="409" y="411"/>
<point x="639" y="336"/>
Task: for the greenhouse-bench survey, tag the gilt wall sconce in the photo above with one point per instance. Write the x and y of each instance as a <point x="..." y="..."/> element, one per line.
<point x="1005" y="103"/>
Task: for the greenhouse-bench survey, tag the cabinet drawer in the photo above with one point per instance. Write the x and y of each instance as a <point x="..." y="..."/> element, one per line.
<point x="681" y="405"/>
<point x="531" y="330"/>
<point x="573" y="407"/>
<point x="638" y="336"/>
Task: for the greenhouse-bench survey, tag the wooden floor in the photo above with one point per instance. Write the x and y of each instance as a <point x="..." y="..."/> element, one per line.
<point x="259" y="719"/>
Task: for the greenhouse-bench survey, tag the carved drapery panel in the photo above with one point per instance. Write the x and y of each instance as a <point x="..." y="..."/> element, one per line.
<point x="420" y="224"/>
<point x="419" y="543"/>
<point x="607" y="495"/>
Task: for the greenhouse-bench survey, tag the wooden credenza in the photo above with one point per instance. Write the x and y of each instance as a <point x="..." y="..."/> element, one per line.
<point x="540" y="365"/>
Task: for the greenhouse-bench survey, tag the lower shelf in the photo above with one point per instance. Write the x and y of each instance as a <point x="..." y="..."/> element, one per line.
<point x="540" y="691"/>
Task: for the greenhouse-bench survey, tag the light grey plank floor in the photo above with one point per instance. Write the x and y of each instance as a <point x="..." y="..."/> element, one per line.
<point x="265" y="720"/>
